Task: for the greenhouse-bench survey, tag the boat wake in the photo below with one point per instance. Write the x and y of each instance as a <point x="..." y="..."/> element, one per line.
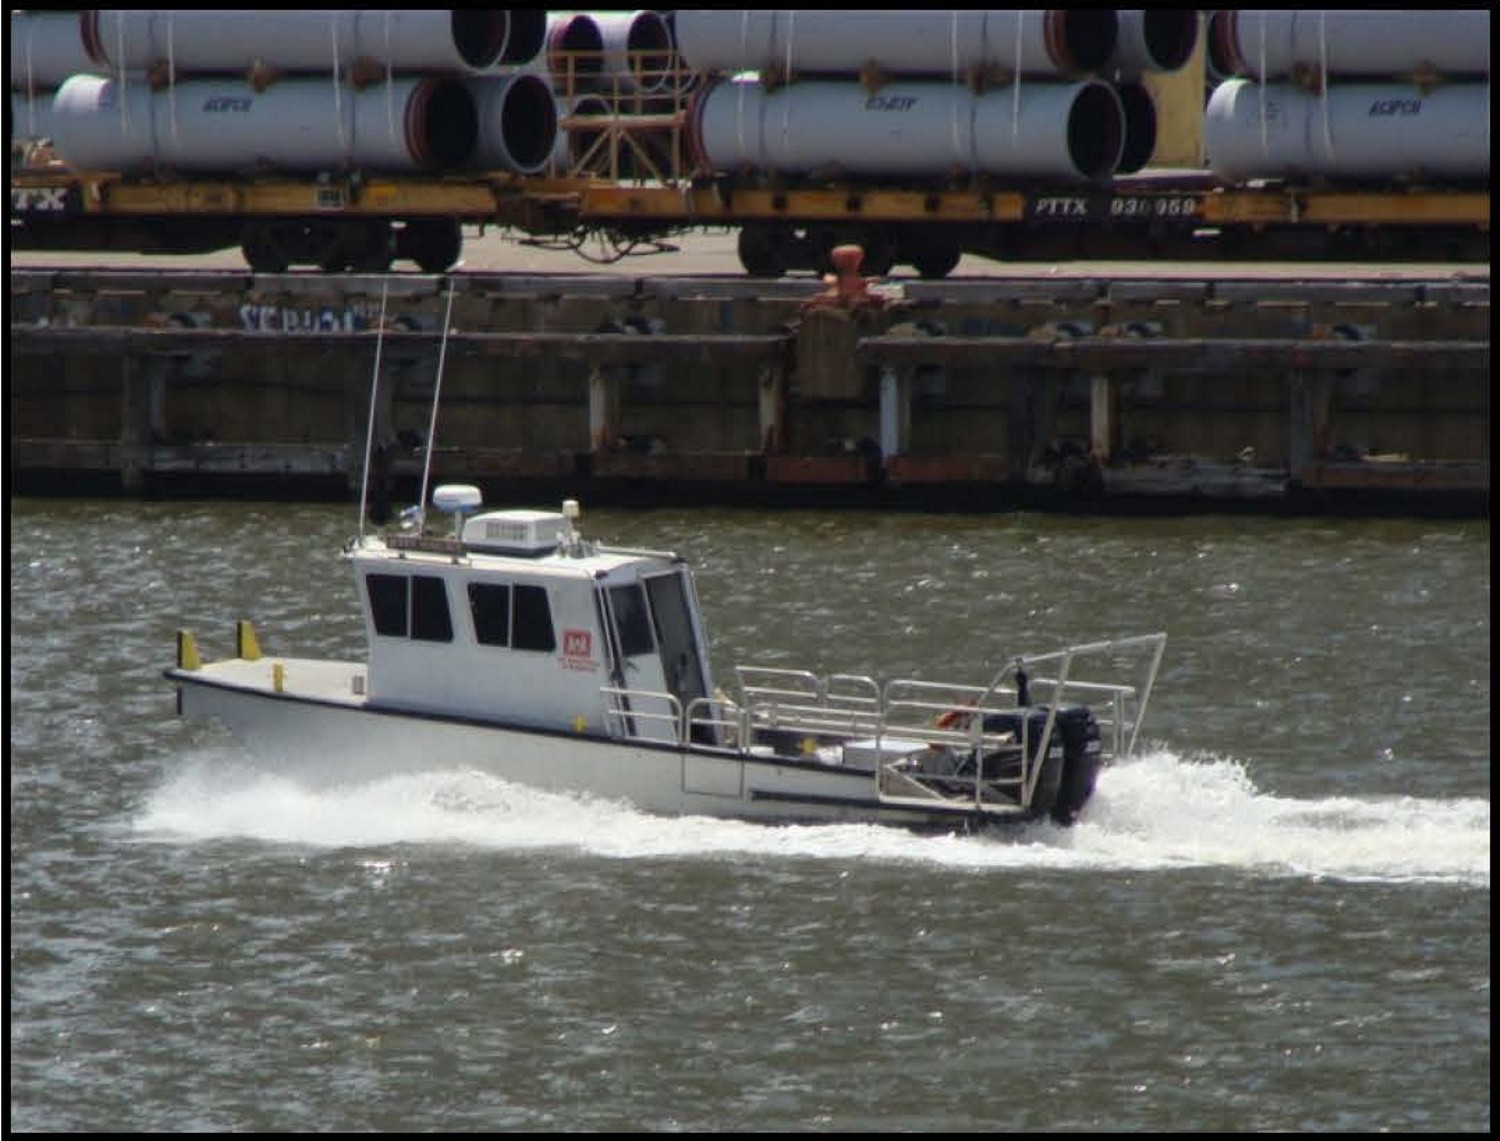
<point x="1160" y="811"/>
<point x="1164" y="810"/>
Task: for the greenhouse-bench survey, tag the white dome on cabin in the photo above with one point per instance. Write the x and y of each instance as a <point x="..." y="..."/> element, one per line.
<point x="452" y="497"/>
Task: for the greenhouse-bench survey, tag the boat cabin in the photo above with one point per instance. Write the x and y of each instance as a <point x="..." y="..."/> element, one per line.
<point x="515" y="619"/>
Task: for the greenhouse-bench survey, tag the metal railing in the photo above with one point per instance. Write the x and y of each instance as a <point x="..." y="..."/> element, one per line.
<point x="846" y="705"/>
<point x="1126" y="703"/>
<point x="643" y="714"/>
<point x="781" y="710"/>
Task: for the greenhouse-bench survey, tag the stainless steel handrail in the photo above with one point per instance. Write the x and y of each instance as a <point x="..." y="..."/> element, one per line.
<point x="912" y="709"/>
<point x="625" y="718"/>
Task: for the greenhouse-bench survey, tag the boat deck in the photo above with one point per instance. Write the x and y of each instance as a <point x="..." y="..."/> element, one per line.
<point x="309" y="678"/>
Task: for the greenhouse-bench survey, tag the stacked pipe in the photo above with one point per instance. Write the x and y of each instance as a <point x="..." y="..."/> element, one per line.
<point x="904" y="93"/>
<point x="302" y="91"/>
<point x="1349" y="94"/>
<point x="1148" y="41"/>
<point x="610" y="72"/>
<point x="46" y="49"/>
<point x="617" y="54"/>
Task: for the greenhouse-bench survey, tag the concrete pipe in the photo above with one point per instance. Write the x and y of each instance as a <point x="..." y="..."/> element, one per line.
<point x="1036" y="42"/>
<point x="1275" y="43"/>
<point x="45" y="49"/>
<point x="1153" y="39"/>
<point x="517" y="123"/>
<point x="638" y="51"/>
<point x="1353" y="130"/>
<point x="1139" y="109"/>
<point x="572" y="53"/>
<point x="30" y="115"/>
<point x="1061" y="130"/>
<point x="525" y="35"/>
<point x="302" y="125"/>
<point x="238" y="40"/>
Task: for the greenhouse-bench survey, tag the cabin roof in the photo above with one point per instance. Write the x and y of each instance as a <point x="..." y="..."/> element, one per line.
<point x="592" y="563"/>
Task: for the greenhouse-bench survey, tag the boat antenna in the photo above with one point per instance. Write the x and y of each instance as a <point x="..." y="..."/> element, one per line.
<point x="364" y="482"/>
<point x="437" y="388"/>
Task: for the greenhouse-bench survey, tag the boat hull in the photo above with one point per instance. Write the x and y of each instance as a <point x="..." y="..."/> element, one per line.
<point x="304" y="718"/>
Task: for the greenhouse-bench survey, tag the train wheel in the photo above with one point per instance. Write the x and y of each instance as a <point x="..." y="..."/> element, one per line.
<point x="880" y="254"/>
<point x="263" y="249"/>
<point x="325" y="244"/>
<point x="935" y="259"/>
<point x="372" y="248"/>
<point x="372" y="262"/>
<point x="762" y="252"/>
<point x="433" y="243"/>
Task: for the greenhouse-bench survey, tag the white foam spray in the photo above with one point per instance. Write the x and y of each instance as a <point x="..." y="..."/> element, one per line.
<point x="1159" y="811"/>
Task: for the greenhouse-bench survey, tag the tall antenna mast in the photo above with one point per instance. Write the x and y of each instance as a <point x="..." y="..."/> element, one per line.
<point x="364" y="478"/>
<point x="437" y="389"/>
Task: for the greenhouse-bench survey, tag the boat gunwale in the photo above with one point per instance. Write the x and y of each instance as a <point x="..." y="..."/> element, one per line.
<point x="179" y="676"/>
<point x="937" y="815"/>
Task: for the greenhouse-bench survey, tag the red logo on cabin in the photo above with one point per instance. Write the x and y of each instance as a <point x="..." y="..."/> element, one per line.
<point x="577" y="643"/>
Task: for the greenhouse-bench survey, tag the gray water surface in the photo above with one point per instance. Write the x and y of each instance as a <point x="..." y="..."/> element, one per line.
<point x="1276" y="917"/>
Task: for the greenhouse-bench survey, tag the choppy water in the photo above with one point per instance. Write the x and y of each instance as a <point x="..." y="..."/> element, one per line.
<point x="1277" y="917"/>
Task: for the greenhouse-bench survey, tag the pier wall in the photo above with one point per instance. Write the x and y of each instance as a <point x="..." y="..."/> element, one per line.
<point x="1082" y="392"/>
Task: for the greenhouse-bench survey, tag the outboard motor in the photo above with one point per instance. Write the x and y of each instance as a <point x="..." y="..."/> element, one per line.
<point x="1083" y="757"/>
<point x="1070" y="767"/>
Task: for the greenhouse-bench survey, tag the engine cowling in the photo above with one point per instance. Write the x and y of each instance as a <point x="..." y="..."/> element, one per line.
<point x="1068" y="771"/>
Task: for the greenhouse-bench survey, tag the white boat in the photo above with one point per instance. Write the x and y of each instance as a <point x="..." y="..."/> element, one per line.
<point x="510" y="644"/>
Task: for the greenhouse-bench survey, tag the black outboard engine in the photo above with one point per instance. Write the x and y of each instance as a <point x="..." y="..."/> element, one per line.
<point x="1069" y="769"/>
<point x="1083" y="757"/>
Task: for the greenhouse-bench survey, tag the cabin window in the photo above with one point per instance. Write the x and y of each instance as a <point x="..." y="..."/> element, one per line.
<point x="518" y="616"/>
<point x="533" y="629"/>
<point x="409" y="606"/>
<point x="490" y="606"/>
<point x="387" y="603"/>
<point x="429" y="610"/>
<point x="632" y="619"/>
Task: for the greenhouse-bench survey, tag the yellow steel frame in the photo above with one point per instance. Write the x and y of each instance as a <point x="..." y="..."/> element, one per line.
<point x="497" y="198"/>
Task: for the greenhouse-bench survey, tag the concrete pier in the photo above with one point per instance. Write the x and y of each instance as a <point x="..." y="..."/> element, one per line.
<point x="1084" y="392"/>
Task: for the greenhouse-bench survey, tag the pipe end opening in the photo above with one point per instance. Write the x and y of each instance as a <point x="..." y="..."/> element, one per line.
<point x="479" y="35"/>
<point x="1171" y="36"/>
<point x="1096" y="131"/>
<point x="1086" y="38"/>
